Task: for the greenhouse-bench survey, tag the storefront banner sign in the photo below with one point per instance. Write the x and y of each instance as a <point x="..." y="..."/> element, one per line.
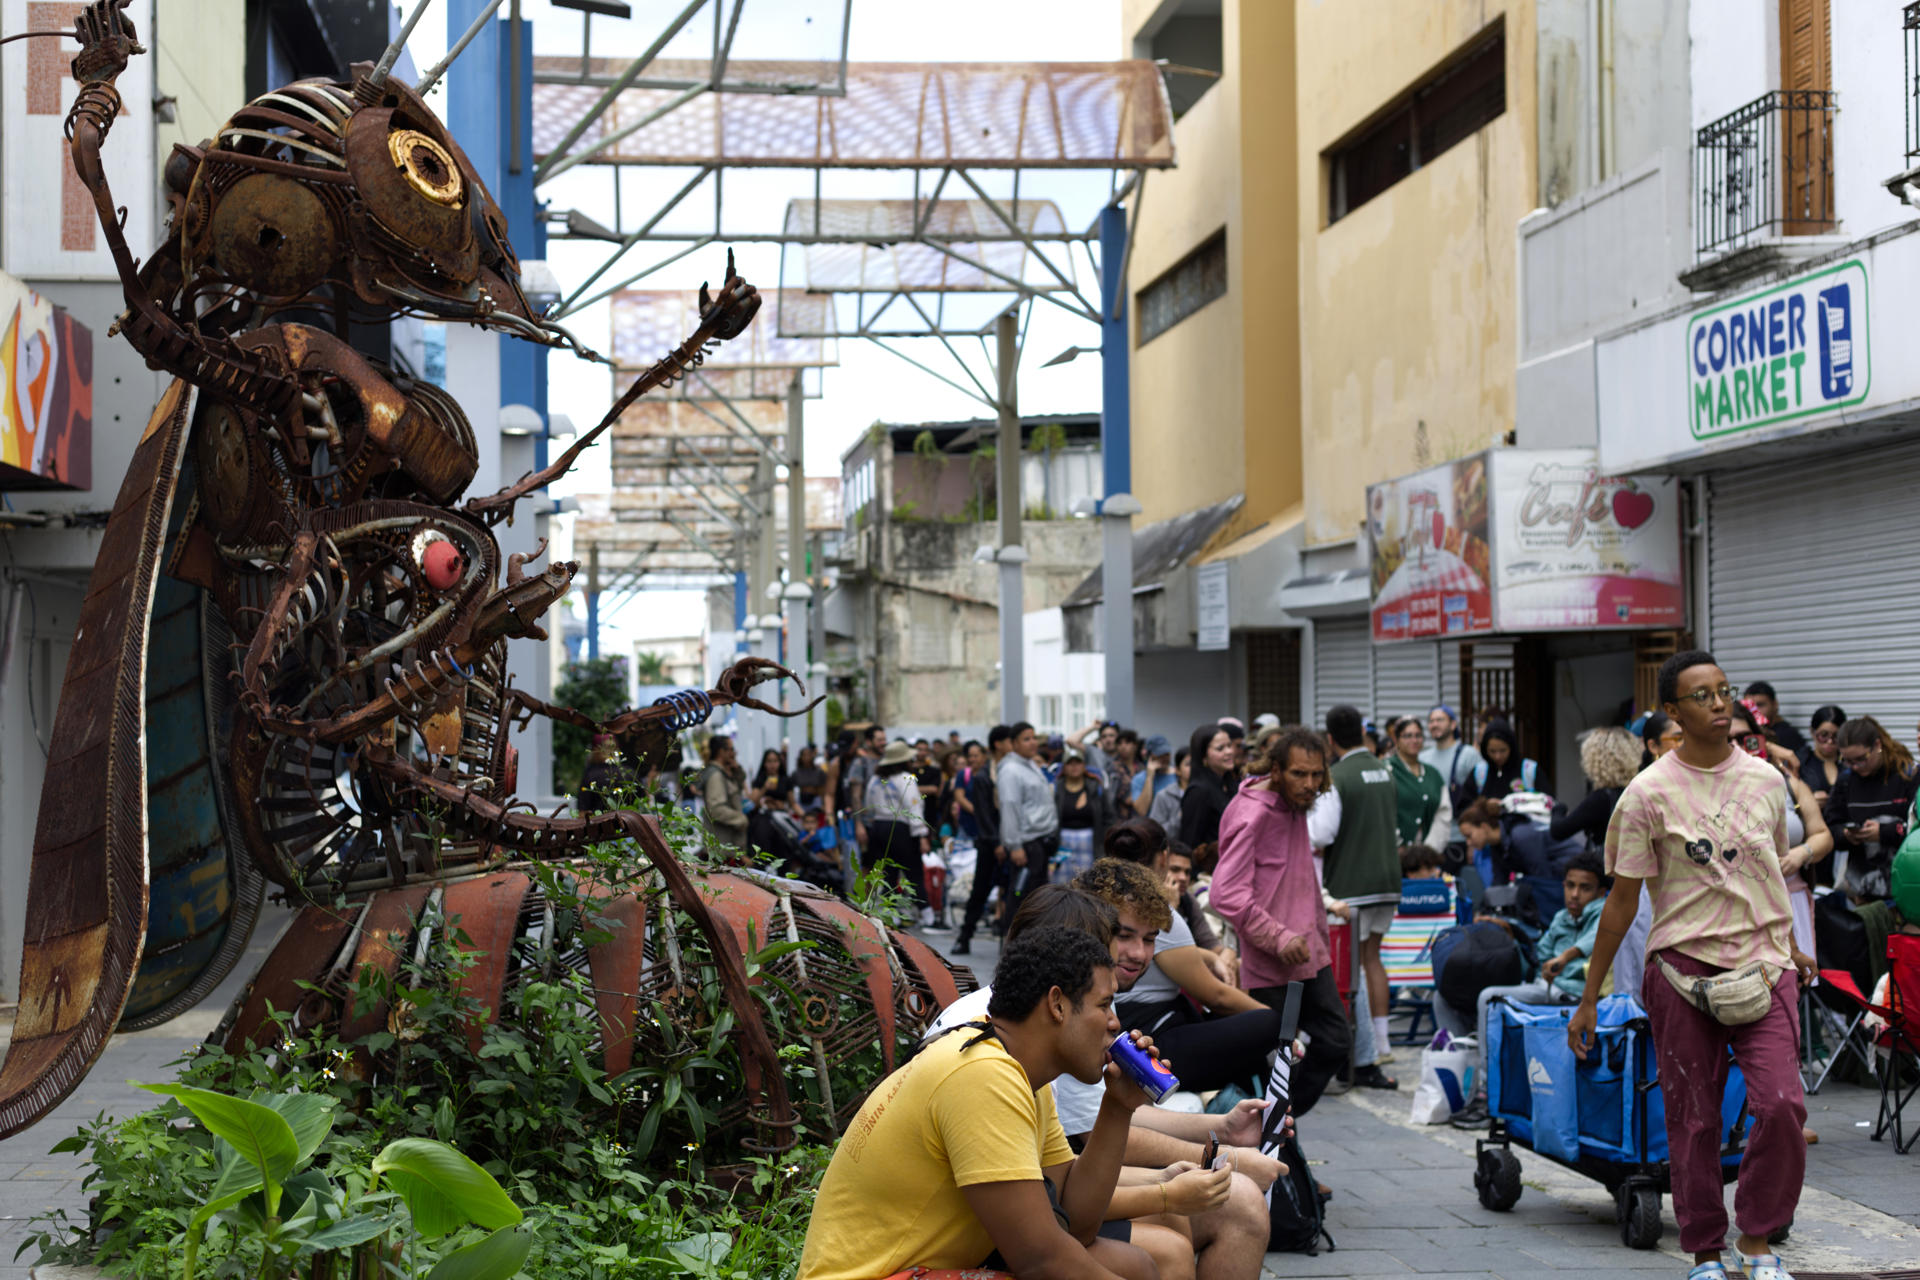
<point x="1792" y="351"/>
<point x="1430" y="563"/>
<point x="46" y="393"/>
<point x="1574" y="549"/>
<point x="1210" y="606"/>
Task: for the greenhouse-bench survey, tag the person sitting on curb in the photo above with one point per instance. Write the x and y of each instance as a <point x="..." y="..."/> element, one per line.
<point x="1219" y="1214"/>
<point x="957" y="1161"/>
<point x="1704" y="829"/>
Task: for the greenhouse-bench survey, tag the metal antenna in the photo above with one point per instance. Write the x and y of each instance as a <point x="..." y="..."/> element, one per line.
<point x="440" y="68"/>
<point x="392" y="55"/>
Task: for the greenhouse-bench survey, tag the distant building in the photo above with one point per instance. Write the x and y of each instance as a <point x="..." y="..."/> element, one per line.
<point x="912" y="624"/>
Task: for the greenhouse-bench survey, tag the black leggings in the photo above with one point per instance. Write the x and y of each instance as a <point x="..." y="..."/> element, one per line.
<point x="1323" y="1016"/>
<point x="894" y="851"/>
<point x="1214" y="1052"/>
<point x="986" y="874"/>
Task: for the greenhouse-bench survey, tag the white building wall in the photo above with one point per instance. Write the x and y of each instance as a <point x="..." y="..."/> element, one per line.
<point x="1069" y="689"/>
<point x="1869" y="131"/>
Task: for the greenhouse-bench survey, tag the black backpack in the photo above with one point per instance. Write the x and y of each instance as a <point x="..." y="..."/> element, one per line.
<point x="1296" y="1217"/>
<point x="1470" y="958"/>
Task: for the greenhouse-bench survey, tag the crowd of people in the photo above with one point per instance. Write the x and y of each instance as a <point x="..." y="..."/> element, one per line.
<point x="1176" y="896"/>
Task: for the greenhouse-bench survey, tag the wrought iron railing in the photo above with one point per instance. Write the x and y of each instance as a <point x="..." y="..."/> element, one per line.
<point x="1765" y="170"/>
<point x="1910" y="60"/>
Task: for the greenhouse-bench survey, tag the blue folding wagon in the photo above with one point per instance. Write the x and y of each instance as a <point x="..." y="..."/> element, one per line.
<point x="1602" y="1117"/>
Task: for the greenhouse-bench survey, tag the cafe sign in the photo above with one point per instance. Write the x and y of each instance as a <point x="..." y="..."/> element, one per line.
<point x="1788" y="352"/>
<point x="1523" y="540"/>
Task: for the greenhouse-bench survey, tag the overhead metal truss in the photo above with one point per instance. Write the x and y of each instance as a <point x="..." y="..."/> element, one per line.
<point x="889" y="115"/>
<point x="883" y="270"/>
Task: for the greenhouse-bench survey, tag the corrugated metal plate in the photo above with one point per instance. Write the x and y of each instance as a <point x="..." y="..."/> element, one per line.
<point x="1450" y="673"/>
<point x="1815" y="586"/>
<point x="1405" y="680"/>
<point x="1342" y="665"/>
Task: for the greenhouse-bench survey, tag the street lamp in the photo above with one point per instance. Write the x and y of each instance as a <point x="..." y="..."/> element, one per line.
<point x="1070" y="355"/>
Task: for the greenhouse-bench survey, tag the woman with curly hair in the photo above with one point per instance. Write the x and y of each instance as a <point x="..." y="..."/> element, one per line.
<point x="1609" y="757"/>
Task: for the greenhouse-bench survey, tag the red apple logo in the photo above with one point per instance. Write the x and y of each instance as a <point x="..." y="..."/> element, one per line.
<point x="1632" y="508"/>
<point x="1439" y="530"/>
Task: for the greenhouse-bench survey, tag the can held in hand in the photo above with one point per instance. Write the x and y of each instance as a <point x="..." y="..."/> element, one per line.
<point x="1145" y="1070"/>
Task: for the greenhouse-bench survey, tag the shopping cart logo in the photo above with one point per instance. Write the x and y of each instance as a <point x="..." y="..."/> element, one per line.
<point x="1537" y="1072"/>
<point x="1789" y="352"/>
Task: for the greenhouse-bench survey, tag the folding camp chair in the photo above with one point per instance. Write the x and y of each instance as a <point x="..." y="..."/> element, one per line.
<point x="1899" y="1038"/>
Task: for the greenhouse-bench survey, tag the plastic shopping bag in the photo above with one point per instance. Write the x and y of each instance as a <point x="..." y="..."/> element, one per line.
<point x="1446" y="1078"/>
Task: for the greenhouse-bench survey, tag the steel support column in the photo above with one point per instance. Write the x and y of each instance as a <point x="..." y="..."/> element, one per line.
<point x="1116" y="458"/>
<point x="1013" y="691"/>
<point x="593" y="600"/>
<point x="798" y="596"/>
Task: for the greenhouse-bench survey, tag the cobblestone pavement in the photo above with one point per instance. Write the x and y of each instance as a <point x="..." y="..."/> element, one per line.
<point x="1404" y="1202"/>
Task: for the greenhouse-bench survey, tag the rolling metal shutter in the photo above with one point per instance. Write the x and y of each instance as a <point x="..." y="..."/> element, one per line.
<point x="1342" y="665"/>
<point x="1450" y="674"/>
<point x="1405" y="680"/>
<point x="1814" y="583"/>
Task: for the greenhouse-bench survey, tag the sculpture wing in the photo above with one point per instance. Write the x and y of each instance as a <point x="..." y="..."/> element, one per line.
<point x="87" y="892"/>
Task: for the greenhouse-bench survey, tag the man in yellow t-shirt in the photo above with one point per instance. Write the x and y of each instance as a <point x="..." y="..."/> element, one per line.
<point x="957" y="1159"/>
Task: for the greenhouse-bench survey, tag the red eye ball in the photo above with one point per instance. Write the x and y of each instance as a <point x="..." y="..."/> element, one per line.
<point x="443" y="564"/>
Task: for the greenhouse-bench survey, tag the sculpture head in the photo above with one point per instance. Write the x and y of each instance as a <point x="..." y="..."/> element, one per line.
<point x="320" y="195"/>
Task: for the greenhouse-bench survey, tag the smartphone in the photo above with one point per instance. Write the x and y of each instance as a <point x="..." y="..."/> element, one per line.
<point x="1212" y="1149"/>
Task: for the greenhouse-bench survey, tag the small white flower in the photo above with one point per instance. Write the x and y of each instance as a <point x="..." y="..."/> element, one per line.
<point x="691" y="1146"/>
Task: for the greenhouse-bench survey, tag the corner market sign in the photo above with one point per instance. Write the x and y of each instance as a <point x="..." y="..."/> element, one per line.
<point x="1788" y="352"/>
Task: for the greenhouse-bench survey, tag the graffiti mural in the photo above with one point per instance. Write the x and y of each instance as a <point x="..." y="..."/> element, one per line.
<point x="46" y="393"/>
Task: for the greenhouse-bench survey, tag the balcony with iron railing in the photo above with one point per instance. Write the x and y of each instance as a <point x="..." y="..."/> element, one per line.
<point x="1901" y="185"/>
<point x="1762" y="174"/>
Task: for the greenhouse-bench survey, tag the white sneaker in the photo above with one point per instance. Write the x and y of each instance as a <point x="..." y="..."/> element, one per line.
<point x="926" y="917"/>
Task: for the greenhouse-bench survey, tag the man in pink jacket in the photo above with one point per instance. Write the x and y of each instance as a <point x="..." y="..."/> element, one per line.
<point x="1265" y="885"/>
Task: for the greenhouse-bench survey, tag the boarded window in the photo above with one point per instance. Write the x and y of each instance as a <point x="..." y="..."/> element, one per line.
<point x="934" y="631"/>
<point x="1183" y="289"/>
<point x="1454" y="102"/>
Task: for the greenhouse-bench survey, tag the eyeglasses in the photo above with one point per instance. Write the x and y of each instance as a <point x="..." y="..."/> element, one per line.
<point x="1706" y="697"/>
<point x="1854" y="762"/>
<point x="1826" y="735"/>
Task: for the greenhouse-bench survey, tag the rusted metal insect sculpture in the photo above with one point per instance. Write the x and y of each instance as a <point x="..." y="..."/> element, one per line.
<point x="295" y="618"/>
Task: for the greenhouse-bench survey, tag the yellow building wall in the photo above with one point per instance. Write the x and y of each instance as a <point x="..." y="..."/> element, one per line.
<point x="1269" y="275"/>
<point x="1407" y="305"/>
<point x="1188" y="392"/>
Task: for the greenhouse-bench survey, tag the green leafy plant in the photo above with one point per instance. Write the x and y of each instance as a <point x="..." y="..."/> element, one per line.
<point x="264" y="1147"/>
<point x="650" y="667"/>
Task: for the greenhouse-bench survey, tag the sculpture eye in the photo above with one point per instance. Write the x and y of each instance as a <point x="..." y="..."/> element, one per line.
<point x="440" y="561"/>
<point x="429" y="168"/>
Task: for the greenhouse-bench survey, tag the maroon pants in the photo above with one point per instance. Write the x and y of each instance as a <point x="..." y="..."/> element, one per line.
<point x="1692" y="1052"/>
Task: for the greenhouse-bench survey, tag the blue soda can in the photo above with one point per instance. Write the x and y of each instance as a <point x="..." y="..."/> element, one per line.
<point x="1146" y="1072"/>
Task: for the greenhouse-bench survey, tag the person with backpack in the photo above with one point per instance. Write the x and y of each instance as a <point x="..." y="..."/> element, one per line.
<point x="1704" y="830"/>
<point x="1502" y="769"/>
<point x="1423" y="811"/>
<point x="1456" y="759"/>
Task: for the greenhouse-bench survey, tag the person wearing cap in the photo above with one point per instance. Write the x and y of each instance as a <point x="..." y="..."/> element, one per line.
<point x="1106" y="742"/>
<point x="1454" y="759"/>
<point x="1154" y="777"/>
<point x="1085" y="810"/>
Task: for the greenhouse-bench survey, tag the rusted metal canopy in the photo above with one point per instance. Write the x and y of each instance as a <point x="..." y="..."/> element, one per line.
<point x="895" y="115"/>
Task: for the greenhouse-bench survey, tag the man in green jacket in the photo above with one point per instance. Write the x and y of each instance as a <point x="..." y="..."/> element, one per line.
<point x="1355" y="823"/>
